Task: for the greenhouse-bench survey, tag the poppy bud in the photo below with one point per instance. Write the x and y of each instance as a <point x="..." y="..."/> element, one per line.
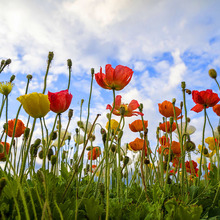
<point x="107" y="115"/>
<point x="37" y="142"/>
<point x="146" y="161"/>
<point x="103" y="131"/>
<point x="50" y="153"/>
<point x="8" y="61"/>
<point x="104" y="138"/>
<point x="70" y="113"/>
<point x="33" y="150"/>
<point x="181" y="104"/>
<point x="2" y="63"/>
<point x="120" y="135"/>
<point x="171" y="120"/>
<point x="92" y="71"/>
<point x="12" y="78"/>
<point x="189" y="146"/>
<point x="183" y="85"/>
<point x="173" y="101"/>
<point x="26" y="133"/>
<point x="53" y="159"/>
<point x="141" y="135"/>
<point x="113" y="148"/>
<point x="205" y="151"/>
<point x="213" y="73"/>
<point x="41" y="154"/>
<point x="50" y="56"/>
<point x="188" y="120"/>
<point x="5" y="126"/>
<point x="125" y="161"/>
<point x="89" y="148"/>
<point x="69" y="63"/>
<point x="29" y="76"/>
<point x="77" y="130"/>
<point x="1" y="148"/>
<point x="92" y="137"/>
<point x="188" y="91"/>
<point x="80" y="124"/>
<point x="53" y="135"/>
<point x="141" y="107"/>
<point x="122" y="110"/>
<point x="69" y="138"/>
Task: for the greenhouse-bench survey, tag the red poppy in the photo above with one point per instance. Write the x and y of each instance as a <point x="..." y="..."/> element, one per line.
<point x="2" y="155"/>
<point x="137" y="125"/>
<point x="166" y="109"/>
<point x="204" y="98"/>
<point x="19" y="130"/>
<point x="116" y="78"/>
<point x="166" y="127"/>
<point x="60" y="101"/>
<point x="163" y="140"/>
<point x="175" y="147"/>
<point x="191" y="168"/>
<point x="216" y="109"/>
<point x="96" y="152"/>
<point x="137" y="145"/>
<point x="129" y="108"/>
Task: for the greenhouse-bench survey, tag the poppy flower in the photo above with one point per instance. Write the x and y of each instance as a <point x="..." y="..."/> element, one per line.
<point x="166" y="127"/>
<point x="166" y="109"/>
<point x="116" y="78"/>
<point x="96" y="152"/>
<point x="60" y="101"/>
<point x="6" y="87"/>
<point x="203" y="99"/>
<point x="137" y="125"/>
<point x="216" y="109"/>
<point x="2" y="155"/>
<point x="163" y="140"/>
<point x="191" y="168"/>
<point x="138" y="145"/>
<point x="35" y="104"/>
<point x="175" y="147"/>
<point x="114" y="125"/>
<point x="129" y="108"/>
<point x="19" y="130"/>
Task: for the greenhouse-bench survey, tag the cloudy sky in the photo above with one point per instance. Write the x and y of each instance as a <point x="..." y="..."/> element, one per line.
<point x="164" y="42"/>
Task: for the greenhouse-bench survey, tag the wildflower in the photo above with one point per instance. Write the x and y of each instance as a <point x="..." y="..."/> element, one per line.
<point x="166" y="127"/>
<point x="5" y="88"/>
<point x="35" y="104"/>
<point x="59" y="101"/>
<point x="96" y="152"/>
<point x="2" y="155"/>
<point x="129" y="108"/>
<point x="19" y="130"/>
<point x="116" y="78"/>
<point x="137" y="145"/>
<point x="114" y="125"/>
<point x="204" y="99"/>
<point x="191" y="167"/>
<point x="78" y="138"/>
<point x="93" y="168"/>
<point x="211" y="143"/>
<point x="166" y="109"/>
<point x="205" y="152"/>
<point x="163" y="140"/>
<point x="137" y="125"/>
<point x="216" y="109"/>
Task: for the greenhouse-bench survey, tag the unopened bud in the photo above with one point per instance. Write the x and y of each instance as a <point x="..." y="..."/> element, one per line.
<point x="92" y="137"/>
<point x="26" y="133"/>
<point x="181" y="104"/>
<point x="190" y="146"/>
<point x="5" y="125"/>
<point x="188" y="120"/>
<point x="69" y="63"/>
<point x="171" y="120"/>
<point x="92" y="71"/>
<point x="213" y="73"/>
<point x="205" y="151"/>
<point x="50" y="153"/>
<point x="70" y="113"/>
<point x="77" y="130"/>
<point x="188" y="91"/>
<point x="33" y="150"/>
<point x="174" y="101"/>
<point x="103" y="131"/>
<point x="146" y="161"/>
<point x="126" y="160"/>
<point x="89" y="148"/>
<point x="50" y="56"/>
<point x="41" y="154"/>
<point x="80" y="124"/>
<point x="183" y="85"/>
<point x="53" y="159"/>
<point x="2" y="63"/>
<point x="12" y="78"/>
<point x="141" y="107"/>
<point x="53" y="135"/>
<point x="104" y="137"/>
<point x="37" y="142"/>
<point x="29" y="76"/>
<point x="120" y="134"/>
<point x="8" y="61"/>
<point x="113" y="148"/>
<point x="107" y="115"/>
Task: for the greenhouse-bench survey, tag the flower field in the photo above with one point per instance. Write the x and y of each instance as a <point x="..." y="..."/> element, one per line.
<point x="103" y="182"/>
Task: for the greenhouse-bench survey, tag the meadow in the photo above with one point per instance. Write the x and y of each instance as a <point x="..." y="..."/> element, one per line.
<point x="103" y="182"/>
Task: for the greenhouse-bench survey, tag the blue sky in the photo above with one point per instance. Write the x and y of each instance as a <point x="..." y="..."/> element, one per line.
<point x="164" y="42"/>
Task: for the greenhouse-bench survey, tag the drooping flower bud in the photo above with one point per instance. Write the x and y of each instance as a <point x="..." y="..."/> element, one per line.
<point x="26" y="133"/>
<point x="188" y="91"/>
<point x="189" y="146"/>
<point x="113" y="148"/>
<point x="8" y="61"/>
<point x="41" y="154"/>
<point x="125" y="160"/>
<point x="53" y="159"/>
<point x="50" y="153"/>
<point x="37" y="142"/>
<point x="12" y="78"/>
<point x="213" y="73"/>
<point x="53" y="135"/>
<point x="33" y="150"/>
<point x="80" y="124"/>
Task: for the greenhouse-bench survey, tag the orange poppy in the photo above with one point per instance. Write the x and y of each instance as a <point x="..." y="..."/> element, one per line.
<point x="19" y="130"/>
<point x="166" y="109"/>
<point x="2" y="155"/>
<point x="194" y="169"/>
<point x="137" y="125"/>
<point x="137" y="145"/>
<point x="166" y="127"/>
<point x="163" y="140"/>
<point x="175" y="147"/>
<point x="96" y="152"/>
<point x="116" y="78"/>
<point x="216" y="109"/>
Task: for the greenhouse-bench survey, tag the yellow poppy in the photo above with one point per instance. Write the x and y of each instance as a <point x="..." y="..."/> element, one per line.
<point x="5" y="88"/>
<point x="206" y="152"/>
<point x="114" y="125"/>
<point x="37" y="105"/>
<point x="211" y="142"/>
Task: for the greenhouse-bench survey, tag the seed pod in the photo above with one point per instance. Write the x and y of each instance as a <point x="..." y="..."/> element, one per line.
<point x="183" y="85"/>
<point x="29" y="76"/>
<point x="70" y="113"/>
<point x="50" y="56"/>
<point x="69" y="63"/>
<point x="122" y="110"/>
